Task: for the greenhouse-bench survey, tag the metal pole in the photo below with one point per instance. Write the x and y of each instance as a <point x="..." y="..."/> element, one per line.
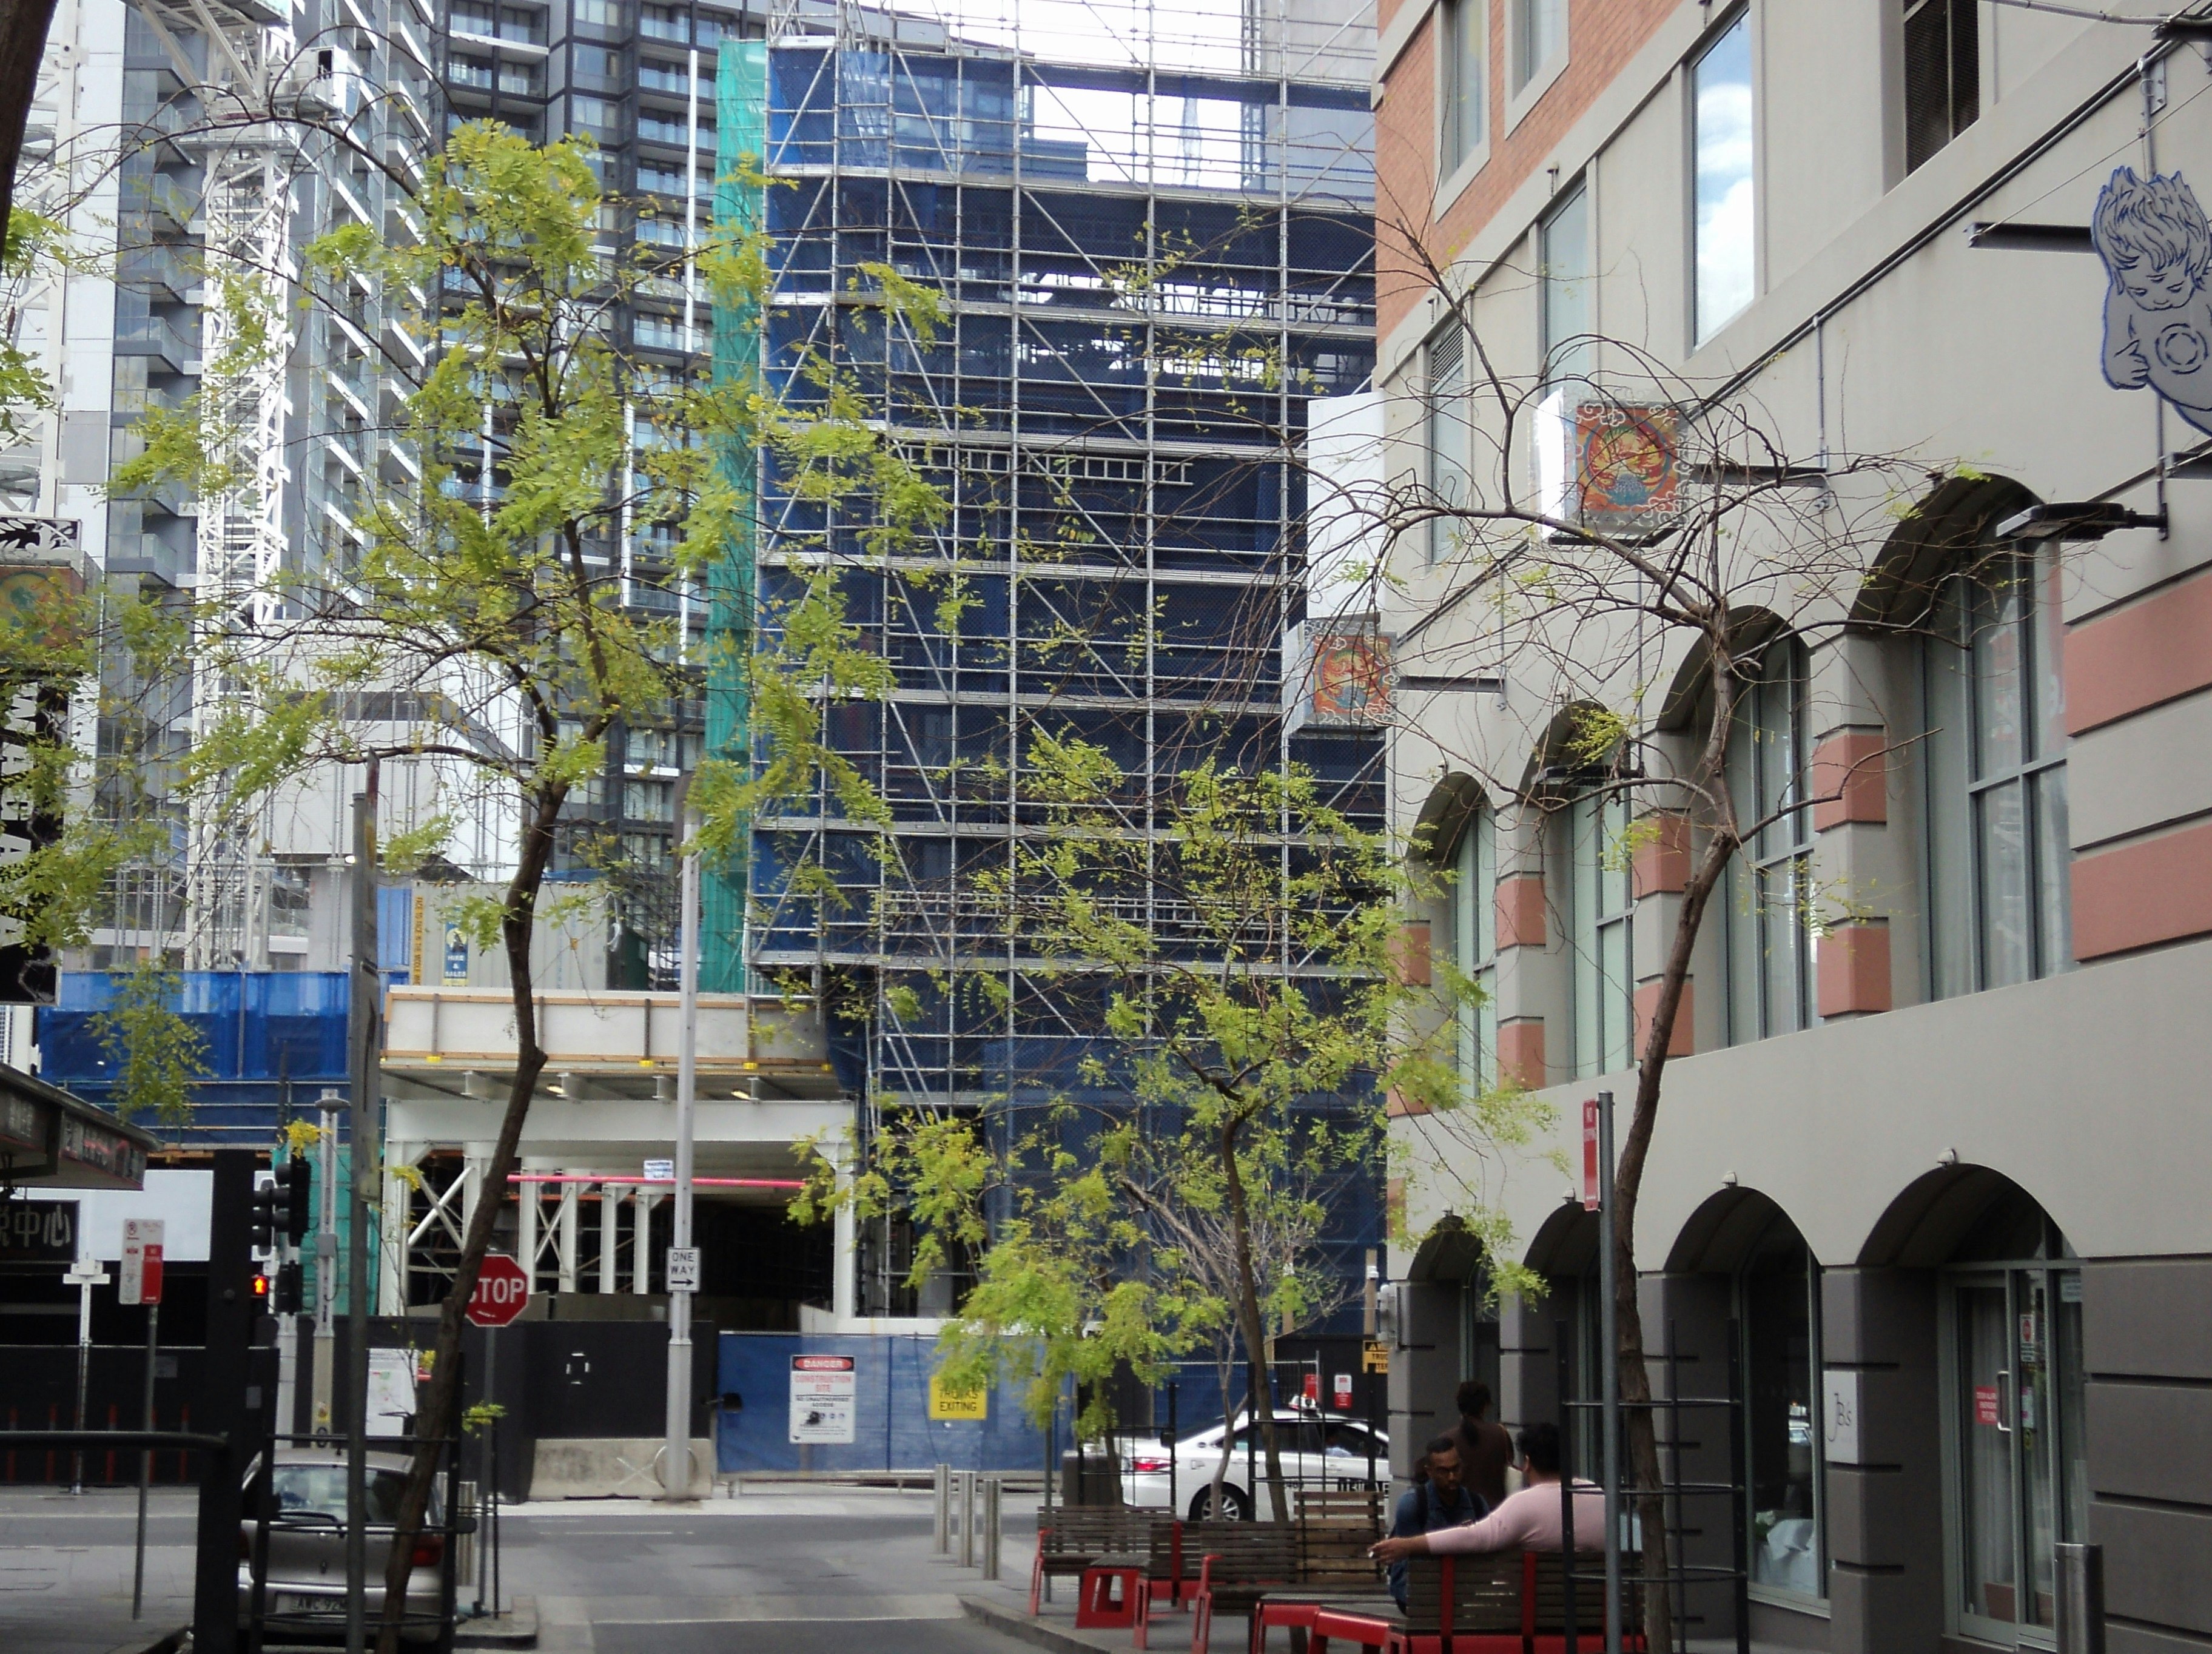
<point x="326" y="1261"/>
<point x="145" y="1460"/>
<point x="993" y="1514"/>
<point x="1609" y="1371"/>
<point x="487" y="1472"/>
<point x="941" y="1541"/>
<point x="83" y="1369"/>
<point x="676" y="1470"/>
<point x="967" y="1518"/>
<point x="2080" y="1587"/>
<point x="361" y="1188"/>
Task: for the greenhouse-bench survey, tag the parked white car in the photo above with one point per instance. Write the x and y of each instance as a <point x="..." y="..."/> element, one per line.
<point x="1319" y="1450"/>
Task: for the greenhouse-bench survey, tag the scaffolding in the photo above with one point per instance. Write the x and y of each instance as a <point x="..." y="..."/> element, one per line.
<point x="1151" y="234"/>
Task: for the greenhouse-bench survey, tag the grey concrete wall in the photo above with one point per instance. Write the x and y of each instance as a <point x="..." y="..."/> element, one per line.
<point x="2146" y="1351"/>
<point x="1885" y="1514"/>
<point x="1424" y="1369"/>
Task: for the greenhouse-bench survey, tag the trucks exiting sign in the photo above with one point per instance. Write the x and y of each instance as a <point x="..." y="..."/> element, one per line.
<point x="502" y="1291"/>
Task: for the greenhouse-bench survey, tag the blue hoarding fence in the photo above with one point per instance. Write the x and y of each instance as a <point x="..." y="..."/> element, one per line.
<point x="880" y="1403"/>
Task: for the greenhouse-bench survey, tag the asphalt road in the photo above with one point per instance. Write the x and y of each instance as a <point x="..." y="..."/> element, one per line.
<point x="797" y="1568"/>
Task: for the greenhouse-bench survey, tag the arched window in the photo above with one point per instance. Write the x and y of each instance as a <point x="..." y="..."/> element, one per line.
<point x="1601" y="912"/>
<point x="1993" y="777"/>
<point x="1769" y="909"/>
<point x="1474" y="944"/>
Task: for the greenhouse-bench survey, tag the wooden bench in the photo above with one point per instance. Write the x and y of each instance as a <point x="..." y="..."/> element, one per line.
<point x="1336" y="1526"/>
<point x="1503" y="1604"/>
<point x="1073" y="1537"/>
<point x="1242" y="1562"/>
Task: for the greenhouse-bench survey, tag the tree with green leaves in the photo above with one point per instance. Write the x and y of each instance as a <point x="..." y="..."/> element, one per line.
<point x="1166" y="1190"/>
<point x="478" y="630"/>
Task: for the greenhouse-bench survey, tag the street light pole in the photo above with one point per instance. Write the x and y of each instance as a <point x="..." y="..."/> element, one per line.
<point x="362" y="1185"/>
<point x="326" y="1258"/>
<point x="683" y="1263"/>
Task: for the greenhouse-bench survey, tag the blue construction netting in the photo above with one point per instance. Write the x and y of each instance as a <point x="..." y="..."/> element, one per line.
<point x="272" y="1039"/>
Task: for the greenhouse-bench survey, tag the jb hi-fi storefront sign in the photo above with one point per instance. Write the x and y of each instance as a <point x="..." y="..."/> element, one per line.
<point x="821" y="1396"/>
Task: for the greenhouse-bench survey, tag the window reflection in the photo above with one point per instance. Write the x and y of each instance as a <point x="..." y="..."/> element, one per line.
<point x="1781" y="1334"/>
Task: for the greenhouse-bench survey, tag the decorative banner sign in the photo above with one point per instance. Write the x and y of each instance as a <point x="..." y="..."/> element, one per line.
<point x="502" y="1291"/>
<point x="682" y="1268"/>
<point x="38" y="1232"/>
<point x="971" y="1404"/>
<point x="1591" y="1195"/>
<point x="1338" y="673"/>
<point x="1628" y="465"/>
<point x="141" y="1282"/>
<point x="822" y="1398"/>
<point x="2157" y="250"/>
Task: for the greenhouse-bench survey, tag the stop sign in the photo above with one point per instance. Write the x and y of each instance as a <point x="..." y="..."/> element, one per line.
<point x="502" y="1290"/>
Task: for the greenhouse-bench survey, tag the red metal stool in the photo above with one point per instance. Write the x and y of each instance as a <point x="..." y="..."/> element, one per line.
<point x="1099" y="1605"/>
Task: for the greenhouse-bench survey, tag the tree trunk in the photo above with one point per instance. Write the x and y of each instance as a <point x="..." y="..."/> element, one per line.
<point x="1639" y="1418"/>
<point x="23" y="25"/>
<point x="1262" y="1402"/>
<point x="437" y="1417"/>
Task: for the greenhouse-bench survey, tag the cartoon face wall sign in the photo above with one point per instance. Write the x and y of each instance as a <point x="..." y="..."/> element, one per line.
<point x="2157" y="249"/>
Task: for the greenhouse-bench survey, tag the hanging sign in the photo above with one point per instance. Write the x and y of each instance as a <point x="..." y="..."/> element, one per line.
<point x="822" y="1397"/>
<point x="1590" y="1192"/>
<point x="140" y="1282"/>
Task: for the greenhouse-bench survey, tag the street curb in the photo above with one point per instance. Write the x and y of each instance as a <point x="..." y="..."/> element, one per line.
<point x="1035" y="1632"/>
<point x="161" y="1642"/>
<point x="516" y="1628"/>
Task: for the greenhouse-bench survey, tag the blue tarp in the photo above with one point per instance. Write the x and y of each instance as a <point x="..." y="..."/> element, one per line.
<point x="892" y="1429"/>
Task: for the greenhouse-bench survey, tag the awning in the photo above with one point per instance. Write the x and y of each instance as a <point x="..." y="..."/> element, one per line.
<point x="50" y="1140"/>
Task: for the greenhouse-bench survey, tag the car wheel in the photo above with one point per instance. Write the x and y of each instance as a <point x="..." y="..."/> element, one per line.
<point x="1236" y="1503"/>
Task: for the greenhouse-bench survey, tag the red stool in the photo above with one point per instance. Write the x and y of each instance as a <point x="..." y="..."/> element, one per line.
<point x="1099" y="1606"/>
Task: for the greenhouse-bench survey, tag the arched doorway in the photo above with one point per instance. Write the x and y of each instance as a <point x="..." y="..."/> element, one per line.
<point x="2008" y="1307"/>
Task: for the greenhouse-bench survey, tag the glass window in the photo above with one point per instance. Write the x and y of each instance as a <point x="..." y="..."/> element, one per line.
<point x="1449" y="434"/>
<point x="1770" y="910"/>
<point x="1943" y="74"/>
<point x="1725" y="208"/>
<point x="1994" y="778"/>
<point x="1564" y="261"/>
<point x="1474" y="945"/>
<point x="1602" y="915"/>
<point x="1540" y="30"/>
<point x="2018" y="1469"/>
<point x="1464" y="24"/>
<point x="1779" y="1292"/>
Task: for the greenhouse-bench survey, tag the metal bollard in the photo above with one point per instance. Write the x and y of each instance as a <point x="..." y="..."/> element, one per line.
<point x="992" y="1489"/>
<point x="943" y="1542"/>
<point x="967" y="1518"/>
<point x="2080" y="1590"/>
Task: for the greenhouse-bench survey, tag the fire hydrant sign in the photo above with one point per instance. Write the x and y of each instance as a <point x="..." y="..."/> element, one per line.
<point x="140" y="1273"/>
<point x="822" y="1398"/>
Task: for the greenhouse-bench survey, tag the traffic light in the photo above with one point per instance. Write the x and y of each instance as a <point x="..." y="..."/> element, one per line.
<point x="263" y="1234"/>
<point x="285" y="1292"/>
<point x="294" y="1182"/>
<point x="260" y="1289"/>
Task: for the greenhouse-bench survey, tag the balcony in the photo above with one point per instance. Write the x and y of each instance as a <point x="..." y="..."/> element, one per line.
<point x="159" y="271"/>
<point x="157" y="337"/>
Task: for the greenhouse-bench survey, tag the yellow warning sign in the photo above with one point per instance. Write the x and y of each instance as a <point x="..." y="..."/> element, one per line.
<point x="1374" y="1356"/>
<point x="957" y="1403"/>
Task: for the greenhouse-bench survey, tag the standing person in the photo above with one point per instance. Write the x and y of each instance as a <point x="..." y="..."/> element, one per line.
<point x="1437" y="1499"/>
<point x="1485" y="1451"/>
<point x="1530" y="1520"/>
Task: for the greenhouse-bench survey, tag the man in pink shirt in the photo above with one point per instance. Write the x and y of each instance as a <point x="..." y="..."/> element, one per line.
<point x="1528" y="1521"/>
